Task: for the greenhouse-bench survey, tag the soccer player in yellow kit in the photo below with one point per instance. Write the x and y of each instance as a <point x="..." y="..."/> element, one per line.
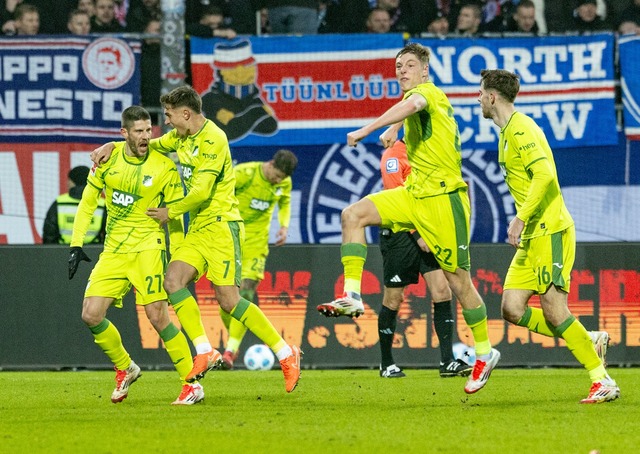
<point x="434" y="202"/>
<point x="213" y="244"/>
<point x="542" y="232"/>
<point x="134" y="250"/>
<point x="260" y="187"/>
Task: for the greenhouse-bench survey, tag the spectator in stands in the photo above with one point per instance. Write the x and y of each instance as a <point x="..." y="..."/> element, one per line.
<point x="629" y="27"/>
<point x="27" y="20"/>
<point x="104" y="20"/>
<point x="469" y="20"/>
<point x="141" y="13"/>
<point x="395" y="13"/>
<point x="629" y="17"/>
<point x="440" y="25"/>
<point x="586" y="18"/>
<point x="344" y="16"/>
<point x="293" y="16"/>
<point x="523" y="19"/>
<point x="7" y="15"/>
<point x="53" y="17"/>
<point x="87" y="6"/>
<point x="58" y="224"/>
<point x="211" y="24"/>
<point x="79" y="22"/>
<point x="265" y="25"/>
<point x="378" y="21"/>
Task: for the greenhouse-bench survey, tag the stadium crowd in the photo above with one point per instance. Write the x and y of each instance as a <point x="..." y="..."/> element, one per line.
<point x="226" y="18"/>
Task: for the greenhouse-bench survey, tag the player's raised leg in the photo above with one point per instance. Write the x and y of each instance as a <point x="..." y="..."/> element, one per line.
<point x="353" y="256"/>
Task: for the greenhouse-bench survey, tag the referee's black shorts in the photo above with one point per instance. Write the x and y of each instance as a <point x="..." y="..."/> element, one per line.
<point x="403" y="260"/>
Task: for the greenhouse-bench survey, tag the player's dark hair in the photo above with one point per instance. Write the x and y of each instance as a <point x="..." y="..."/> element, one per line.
<point x="506" y="83"/>
<point x="132" y="114"/>
<point x="183" y="96"/>
<point x="285" y="161"/>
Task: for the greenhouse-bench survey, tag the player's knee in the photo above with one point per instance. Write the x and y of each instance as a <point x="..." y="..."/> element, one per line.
<point x="90" y="318"/>
<point x="171" y="284"/>
<point x="441" y="293"/>
<point x="511" y="312"/>
<point x="393" y="300"/>
<point x="349" y="217"/>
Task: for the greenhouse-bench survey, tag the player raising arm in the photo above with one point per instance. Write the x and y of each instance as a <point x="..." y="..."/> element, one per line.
<point x="434" y="201"/>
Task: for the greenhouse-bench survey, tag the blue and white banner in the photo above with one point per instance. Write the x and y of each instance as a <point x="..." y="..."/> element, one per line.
<point x="567" y="85"/>
<point x="629" y="48"/>
<point x="312" y="90"/>
<point x="66" y="89"/>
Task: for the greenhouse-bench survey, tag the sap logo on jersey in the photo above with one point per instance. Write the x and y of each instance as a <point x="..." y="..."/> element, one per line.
<point x="260" y="205"/>
<point x="123" y="199"/>
<point x="187" y="172"/>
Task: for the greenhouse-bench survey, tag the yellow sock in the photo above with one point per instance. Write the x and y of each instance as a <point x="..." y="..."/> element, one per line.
<point x="108" y="338"/>
<point x="178" y="349"/>
<point x="188" y="312"/>
<point x="477" y="320"/>
<point x="225" y="317"/>
<point x="254" y="319"/>
<point x="533" y="319"/>
<point x="579" y="343"/>
<point x="353" y="257"/>
<point x="236" y="331"/>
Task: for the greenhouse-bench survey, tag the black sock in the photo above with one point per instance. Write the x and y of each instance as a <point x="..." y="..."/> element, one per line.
<point x="386" y="330"/>
<point x="444" y="321"/>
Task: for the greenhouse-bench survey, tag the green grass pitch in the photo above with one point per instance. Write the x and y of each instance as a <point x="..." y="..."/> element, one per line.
<point x="519" y="411"/>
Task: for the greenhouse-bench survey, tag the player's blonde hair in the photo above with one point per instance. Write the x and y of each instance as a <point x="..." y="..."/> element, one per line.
<point x="423" y="53"/>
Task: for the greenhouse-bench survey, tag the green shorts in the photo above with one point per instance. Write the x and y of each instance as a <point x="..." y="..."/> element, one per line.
<point x="216" y="250"/>
<point x="254" y="255"/>
<point x="441" y="220"/>
<point x="543" y="261"/>
<point x="114" y="274"/>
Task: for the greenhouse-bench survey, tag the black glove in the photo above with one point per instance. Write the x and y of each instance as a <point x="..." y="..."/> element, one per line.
<point x="75" y="257"/>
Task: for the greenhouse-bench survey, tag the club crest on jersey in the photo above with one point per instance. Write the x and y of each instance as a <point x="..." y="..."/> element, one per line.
<point x="195" y="151"/>
<point x="147" y="181"/>
<point x="123" y="199"/>
<point x="392" y="165"/>
<point x="278" y="192"/>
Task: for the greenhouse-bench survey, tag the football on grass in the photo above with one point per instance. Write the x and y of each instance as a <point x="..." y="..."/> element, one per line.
<point x="259" y="357"/>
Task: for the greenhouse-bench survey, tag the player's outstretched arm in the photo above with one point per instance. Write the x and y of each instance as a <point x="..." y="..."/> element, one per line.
<point x="395" y="114"/>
